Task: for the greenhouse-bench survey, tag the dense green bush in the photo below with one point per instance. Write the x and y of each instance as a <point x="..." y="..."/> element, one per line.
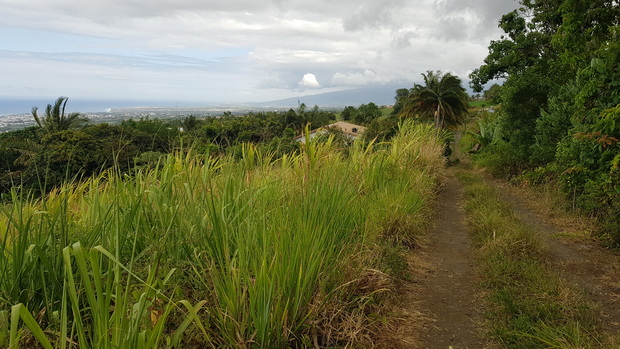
<point x="382" y="128"/>
<point x="560" y="101"/>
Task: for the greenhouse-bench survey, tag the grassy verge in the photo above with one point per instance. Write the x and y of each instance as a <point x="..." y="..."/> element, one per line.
<point x="530" y="305"/>
<point x="205" y="251"/>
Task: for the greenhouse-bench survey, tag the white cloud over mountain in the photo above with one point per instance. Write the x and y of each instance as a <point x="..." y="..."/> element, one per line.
<point x="309" y="80"/>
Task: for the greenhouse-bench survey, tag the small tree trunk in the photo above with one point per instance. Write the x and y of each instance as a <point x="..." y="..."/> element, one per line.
<point x="438" y="118"/>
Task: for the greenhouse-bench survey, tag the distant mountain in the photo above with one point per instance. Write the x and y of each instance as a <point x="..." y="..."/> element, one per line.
<point x="380" y="95"/>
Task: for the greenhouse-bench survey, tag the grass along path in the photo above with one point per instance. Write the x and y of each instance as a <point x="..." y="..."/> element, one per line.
<point x="536" y="298"/>
<point x="583" y="262"/>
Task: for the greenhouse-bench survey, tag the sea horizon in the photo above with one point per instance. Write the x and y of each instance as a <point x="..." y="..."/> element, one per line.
<point x="24" y="105"/>
<point x="15" y="113"/>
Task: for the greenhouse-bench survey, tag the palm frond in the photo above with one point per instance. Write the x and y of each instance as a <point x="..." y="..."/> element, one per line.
<point x="55" y="119"/>
<point x="441" y="99"/>
<point x="27" y="149"/>
<point x="36" y="116"/>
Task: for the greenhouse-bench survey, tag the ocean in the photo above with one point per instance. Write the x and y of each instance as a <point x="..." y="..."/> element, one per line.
<point x="22" y="105"/>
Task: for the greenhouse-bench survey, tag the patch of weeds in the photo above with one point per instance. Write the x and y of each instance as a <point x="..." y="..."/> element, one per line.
<point x="585" y="236"/>
<point x="394" y="259"/>
<point x="531" y="305"/>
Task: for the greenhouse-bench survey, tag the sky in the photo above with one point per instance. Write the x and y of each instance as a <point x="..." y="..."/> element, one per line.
<point x="234" y="51"/>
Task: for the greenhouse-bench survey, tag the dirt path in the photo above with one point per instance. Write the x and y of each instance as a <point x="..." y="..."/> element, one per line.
<point x="444" y="292"/>
<point x="442" y="306"/>
<point x="580" y="260"/>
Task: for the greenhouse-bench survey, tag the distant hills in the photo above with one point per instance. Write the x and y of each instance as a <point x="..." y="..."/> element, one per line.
<point x="380" y="95"/>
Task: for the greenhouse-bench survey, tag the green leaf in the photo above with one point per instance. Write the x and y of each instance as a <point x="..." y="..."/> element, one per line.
<point x="18" y="312"/>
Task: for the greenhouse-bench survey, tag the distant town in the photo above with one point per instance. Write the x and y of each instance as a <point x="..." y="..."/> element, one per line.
<point x="12" y="122"/>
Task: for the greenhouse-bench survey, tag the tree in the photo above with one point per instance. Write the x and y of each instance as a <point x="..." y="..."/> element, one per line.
<point x="527" y="43"/>
<point x="55" y="119"/>
<point x="318" y="118"/>
<point x="399" y="100"/>
<point x="526" y="58"/>
<point x="189" y="123"/>
<point x="349" y="113"/>
<point x="442" y="99"/>
<point x="381" y="129"/>
<point x="546" y="43"/>
<point x="560" y="100"/>
<point x="367" y="113"/>
<point x="492" y="94"/>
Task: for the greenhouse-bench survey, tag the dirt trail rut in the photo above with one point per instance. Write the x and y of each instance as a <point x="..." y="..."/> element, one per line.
<point x="446" y="292"/>
<point x="582" y="262"/>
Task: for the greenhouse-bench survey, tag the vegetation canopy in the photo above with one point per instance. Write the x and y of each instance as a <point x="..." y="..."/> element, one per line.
<point x="560" y="102"/>
<point x="442" y="99"/>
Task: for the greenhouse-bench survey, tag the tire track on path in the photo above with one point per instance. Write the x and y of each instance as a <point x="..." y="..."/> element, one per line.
<point x="448" y="294"/>
<point x="582" y="262"/>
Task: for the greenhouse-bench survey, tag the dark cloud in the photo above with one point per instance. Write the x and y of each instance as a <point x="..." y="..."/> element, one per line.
<point x="372" y="14"/>
<point x="488" y="11"/>
<point x="469" y="19"/>
<point x="403" y="39"/>
<point x="454" y="28"/>
<point x="367" y="17"/>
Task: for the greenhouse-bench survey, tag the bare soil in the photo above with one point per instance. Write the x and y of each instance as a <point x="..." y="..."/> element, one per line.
<point x="443" y="301"/>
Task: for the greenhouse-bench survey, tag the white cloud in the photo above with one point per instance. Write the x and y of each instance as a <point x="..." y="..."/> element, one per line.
<point x="309" y="80"/>
<point x="226" y="50"/>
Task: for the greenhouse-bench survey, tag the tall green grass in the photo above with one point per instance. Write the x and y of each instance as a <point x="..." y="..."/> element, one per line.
<point x="201" y="251"/>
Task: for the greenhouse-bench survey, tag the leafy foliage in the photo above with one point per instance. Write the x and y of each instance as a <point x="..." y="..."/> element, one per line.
<point x="441" y="99"/>
<point x="493" y="94"/>
<point x="488" y="129"/>
<point x="560" y="99"/>
<point x="399" y="100"/>
<point x="40" y="158"/>
<point x="366" y="113"/>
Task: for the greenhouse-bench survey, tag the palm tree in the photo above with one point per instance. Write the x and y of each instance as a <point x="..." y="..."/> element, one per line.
<point x="441" y="99"/>
<point x="55" y="119"/>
